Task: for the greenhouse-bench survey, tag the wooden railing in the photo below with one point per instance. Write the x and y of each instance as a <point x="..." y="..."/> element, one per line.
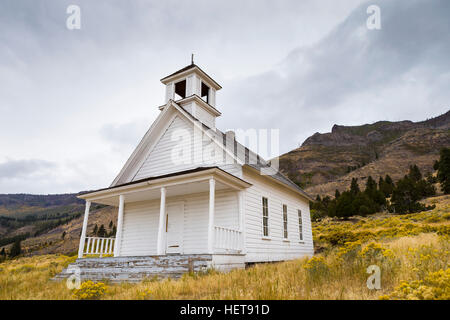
<point x="227" y="239"/>
<point x="99" y="246"/>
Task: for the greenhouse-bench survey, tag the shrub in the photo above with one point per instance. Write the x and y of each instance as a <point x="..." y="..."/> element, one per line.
<point x="436" y="286"/>
<point x="349" y="251"/>
<point x="90" y="290"/>
<point x="316" y="267"/>
<point x="375" y="252"/>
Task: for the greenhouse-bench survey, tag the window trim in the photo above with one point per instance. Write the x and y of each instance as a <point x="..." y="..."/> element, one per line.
<point x="300" y="225"/>
<point x="265" y="227"/>
<point x="285" y="222"/>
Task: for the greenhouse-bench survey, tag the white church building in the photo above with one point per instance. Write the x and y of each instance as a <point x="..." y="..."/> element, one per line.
<point x="191" y="197"/>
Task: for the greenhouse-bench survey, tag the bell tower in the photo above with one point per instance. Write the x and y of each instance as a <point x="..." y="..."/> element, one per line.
<point x="195" y="91"/>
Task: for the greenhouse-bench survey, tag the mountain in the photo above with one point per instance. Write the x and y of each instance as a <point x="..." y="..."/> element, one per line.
<point x="40" y="221"/>
<point x="323" y="163"/>
<point x="328" y="161"/>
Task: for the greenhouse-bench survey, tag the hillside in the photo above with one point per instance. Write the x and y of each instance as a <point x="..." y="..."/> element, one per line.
<point x="329" y="161"/>
<point x="412" y="252"/>
<point x="323" y="163"/>
<point x="40" y="221"/>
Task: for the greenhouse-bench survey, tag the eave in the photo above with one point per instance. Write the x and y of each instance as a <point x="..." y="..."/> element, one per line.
<point x="200" y="101"/>
<point x="187" y="70"/>
<point x="188" y="176"/>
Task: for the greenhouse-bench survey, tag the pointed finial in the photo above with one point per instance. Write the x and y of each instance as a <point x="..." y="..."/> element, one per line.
<point x="192" y="58"/>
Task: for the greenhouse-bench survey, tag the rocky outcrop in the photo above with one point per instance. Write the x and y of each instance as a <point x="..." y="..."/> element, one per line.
<point x="327" y="161"/>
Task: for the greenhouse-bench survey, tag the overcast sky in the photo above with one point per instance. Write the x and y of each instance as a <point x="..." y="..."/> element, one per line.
<point x="75" y="103"/>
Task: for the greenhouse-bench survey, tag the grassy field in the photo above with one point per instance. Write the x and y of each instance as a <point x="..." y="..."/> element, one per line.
<point x="412" y="251"/>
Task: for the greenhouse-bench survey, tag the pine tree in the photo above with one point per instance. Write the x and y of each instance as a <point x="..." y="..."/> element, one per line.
<point x="63" y="235"/>
<point x="371" y="184"/>
<point x="344" y="205"/>
<point x="388" y="180"/>
<point x="95" y="230"/>
<point x="354" y="188"/>
<point x="3" y="252"/>
<point x="409" y="191"/>
<point x="380" y="182"/>
<point x="386" y="186"/>
<point x="101" y="231"/>
<point x="16" y="249"/>
<point x="337" y="194"/>
<point x="443" y="167"/>
<point x="414" y="173"/>
<point x="110" y="224"/>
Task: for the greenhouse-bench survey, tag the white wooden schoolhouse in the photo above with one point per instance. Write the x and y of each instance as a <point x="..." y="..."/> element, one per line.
<point x="191" y="197"/>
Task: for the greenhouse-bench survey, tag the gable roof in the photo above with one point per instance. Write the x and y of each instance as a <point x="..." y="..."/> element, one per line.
<point x="260" y="164"/>
<point x="249" y="158"/>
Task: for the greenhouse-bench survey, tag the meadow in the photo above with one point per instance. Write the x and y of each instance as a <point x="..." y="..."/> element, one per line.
<point x="412" y="252"/>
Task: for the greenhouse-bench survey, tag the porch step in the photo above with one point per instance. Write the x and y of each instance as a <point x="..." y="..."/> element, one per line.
<point x="135" y="269"/>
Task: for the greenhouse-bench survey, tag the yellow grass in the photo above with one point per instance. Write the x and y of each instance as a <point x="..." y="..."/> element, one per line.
<point x="401" y="251"/>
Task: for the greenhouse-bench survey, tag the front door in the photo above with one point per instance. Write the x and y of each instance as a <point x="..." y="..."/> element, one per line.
<point x="174" y="228"/>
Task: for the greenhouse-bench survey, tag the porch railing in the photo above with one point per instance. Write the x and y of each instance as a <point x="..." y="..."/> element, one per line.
<point x="227" y="239"/>
<point x="99" y="246"/>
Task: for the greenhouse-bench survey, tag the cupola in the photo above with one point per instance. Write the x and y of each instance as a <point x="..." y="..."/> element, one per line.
<point x="195" y="91"/>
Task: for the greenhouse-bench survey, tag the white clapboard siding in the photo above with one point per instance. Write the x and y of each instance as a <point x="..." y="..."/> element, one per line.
<point x="275" y="248"/>
<point x="140" y="228"/>
<point x="195" y="238"/>
<point x="205" y="117"/>
<point x="160" y="160"/>
<point x="141" y="219"/>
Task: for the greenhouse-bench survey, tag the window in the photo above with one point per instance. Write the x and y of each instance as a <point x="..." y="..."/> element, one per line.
<point x="265" y="217"/>
<point x="180" y="90"/>
<point x="300" y="224"/>
<point x="205" y="92"/>
<point x="285" y="222"/>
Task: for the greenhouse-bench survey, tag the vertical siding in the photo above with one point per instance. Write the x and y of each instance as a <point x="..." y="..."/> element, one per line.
<point x="274" y="248"/>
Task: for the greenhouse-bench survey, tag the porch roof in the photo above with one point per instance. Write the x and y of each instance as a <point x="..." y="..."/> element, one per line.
<point x="181" y="183"/>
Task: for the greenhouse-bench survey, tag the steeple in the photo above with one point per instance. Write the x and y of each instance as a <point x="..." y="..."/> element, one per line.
<point x="195" y="91"/>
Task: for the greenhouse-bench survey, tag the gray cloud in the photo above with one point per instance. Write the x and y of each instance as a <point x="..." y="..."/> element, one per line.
<point x="24" y="168"/>
<point x="300" y="66"/>
<point x="316" y="86"/>
<point x="123" y="136"/>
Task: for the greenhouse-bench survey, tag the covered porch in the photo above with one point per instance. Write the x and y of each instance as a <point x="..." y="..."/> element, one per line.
<point x="198" y="211"/>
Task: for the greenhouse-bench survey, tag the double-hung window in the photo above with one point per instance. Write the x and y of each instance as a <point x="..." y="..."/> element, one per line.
<point x="300" y="224"/>
<point x="265" y="217"/>
<point x="285" y="222"/>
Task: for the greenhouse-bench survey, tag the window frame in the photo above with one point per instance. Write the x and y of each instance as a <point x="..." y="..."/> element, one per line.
<point x="265" y="217"/>
<point x="285" y="222"/>
<point x="300" y="224"/>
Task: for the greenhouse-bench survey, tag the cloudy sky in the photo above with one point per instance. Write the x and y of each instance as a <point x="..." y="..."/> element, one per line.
<point x="75" y="103"/>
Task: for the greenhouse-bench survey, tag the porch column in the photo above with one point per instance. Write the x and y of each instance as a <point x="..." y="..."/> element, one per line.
<point x="162" y="214"/>
<point x="83" y="230"/>
<point x="119" y="226"/>
<point x="212" y="189"/>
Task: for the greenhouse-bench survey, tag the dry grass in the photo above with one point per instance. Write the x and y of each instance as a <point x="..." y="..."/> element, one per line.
<point x="337" y="273"/>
